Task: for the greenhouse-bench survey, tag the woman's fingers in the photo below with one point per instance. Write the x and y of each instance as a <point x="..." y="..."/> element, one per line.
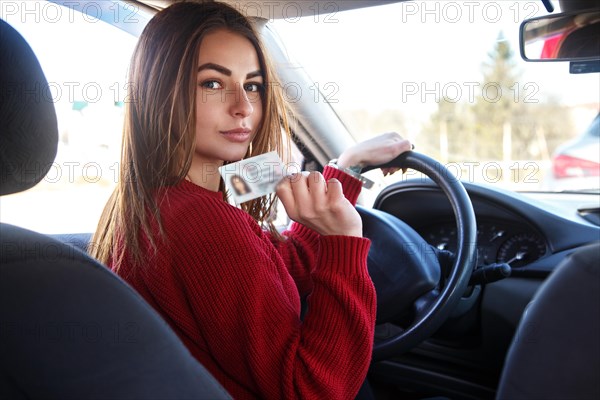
<point x="286" y="195"/>
<point x="319" y="205"/>
<point x="301" y="194"/>
<point x="378" y="150"/>
<point x="314" y="202"/>
<point x="316" y="185"/>
<point x="392" y="170"/>
<point x="334" y="189"/>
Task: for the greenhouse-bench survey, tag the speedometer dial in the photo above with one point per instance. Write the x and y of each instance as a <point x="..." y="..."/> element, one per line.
<point x="521" y="250"/>
<point x="443" y="237"/>
<point x="489" y="235"/>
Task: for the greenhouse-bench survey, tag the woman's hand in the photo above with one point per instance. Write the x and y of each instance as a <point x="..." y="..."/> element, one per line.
<point x="378" y="150"/>
<point x="319" y="205"/>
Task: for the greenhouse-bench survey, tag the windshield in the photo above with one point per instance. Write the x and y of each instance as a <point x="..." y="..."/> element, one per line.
<point x="448" y="76"/>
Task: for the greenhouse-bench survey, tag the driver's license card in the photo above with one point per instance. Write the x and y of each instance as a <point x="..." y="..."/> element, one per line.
<point x="253" y="177"/>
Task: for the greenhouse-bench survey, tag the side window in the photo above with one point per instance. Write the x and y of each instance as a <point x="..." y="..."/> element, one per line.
<point x="85" y="61"/>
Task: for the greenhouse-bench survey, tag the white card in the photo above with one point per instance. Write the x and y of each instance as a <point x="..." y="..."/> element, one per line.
<point x="253" y="177"/>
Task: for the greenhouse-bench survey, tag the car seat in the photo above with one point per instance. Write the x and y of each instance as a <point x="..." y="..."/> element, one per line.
<point x="555" y="352"/>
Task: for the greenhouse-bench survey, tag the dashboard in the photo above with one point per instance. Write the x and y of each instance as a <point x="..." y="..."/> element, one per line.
<point x="530" y="235"/>
<point x="533" y="233"/>
<point x="498" y="241"/>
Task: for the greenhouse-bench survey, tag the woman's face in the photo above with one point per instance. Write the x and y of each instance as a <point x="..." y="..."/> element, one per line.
<point x="239" y="185"/>
<point x="228" y="98"/>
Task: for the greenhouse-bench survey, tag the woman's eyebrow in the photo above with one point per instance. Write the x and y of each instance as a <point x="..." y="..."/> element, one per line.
<point x="254" y="74"/>
<point x="226" y="71"/>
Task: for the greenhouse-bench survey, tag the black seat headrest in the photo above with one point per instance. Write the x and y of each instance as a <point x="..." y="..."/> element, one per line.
<point x="28" y="125"/>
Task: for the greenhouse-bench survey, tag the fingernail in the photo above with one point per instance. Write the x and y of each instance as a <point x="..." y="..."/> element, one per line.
<point x="293" y="177"/>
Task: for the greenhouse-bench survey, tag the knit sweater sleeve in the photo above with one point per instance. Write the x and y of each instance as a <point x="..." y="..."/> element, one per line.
<point x="247" y="308"/>
<point x="300" y="247"/>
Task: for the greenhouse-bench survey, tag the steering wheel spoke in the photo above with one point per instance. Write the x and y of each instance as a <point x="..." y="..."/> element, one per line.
<point x="424" y="303"/>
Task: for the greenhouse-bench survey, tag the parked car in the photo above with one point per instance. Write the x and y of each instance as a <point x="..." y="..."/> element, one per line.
<point x="576" y="164"/>
<point x="445" y="75"/>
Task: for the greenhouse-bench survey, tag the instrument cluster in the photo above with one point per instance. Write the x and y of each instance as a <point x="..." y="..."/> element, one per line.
<point x="497" y="241"/>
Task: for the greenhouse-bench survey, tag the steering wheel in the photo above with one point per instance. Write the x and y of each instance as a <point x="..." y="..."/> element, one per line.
<point x="405" y="268"/>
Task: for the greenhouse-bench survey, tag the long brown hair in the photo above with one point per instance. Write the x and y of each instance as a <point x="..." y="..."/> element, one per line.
<point x="159" y="129"/>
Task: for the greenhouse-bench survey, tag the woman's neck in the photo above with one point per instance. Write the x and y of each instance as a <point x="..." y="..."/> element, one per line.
<point x="205" y="175"/>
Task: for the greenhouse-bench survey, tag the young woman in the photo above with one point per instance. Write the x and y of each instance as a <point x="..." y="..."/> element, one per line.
<point x="203" y="95"/>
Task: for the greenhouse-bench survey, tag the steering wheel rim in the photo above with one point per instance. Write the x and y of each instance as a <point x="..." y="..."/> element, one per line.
<point x="438" y="308"/>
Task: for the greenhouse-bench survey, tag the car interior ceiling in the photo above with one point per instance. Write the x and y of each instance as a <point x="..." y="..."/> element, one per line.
<point x="340" y="5"/>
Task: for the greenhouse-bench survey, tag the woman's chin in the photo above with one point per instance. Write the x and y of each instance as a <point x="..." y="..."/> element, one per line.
<point x="234" y="157"/>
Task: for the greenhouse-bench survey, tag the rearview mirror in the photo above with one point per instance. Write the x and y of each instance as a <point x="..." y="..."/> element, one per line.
<point x="572" y="36"/>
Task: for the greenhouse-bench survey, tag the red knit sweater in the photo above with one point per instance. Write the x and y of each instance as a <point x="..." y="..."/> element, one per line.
<point x="232" y="294"/>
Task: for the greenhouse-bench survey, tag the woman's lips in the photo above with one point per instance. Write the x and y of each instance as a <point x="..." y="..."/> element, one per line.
<point x="239" y="135"/>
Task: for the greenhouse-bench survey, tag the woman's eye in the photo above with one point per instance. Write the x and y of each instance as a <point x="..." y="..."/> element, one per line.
<point x="253" y="87"/>
<point x="211" y="85"/>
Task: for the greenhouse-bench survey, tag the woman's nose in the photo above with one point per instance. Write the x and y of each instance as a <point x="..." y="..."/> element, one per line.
<point x="241" y="105"/>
